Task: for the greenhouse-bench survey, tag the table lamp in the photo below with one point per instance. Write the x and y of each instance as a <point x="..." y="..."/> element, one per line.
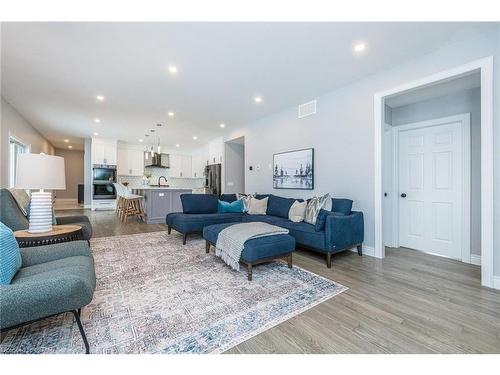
<point x="40" y="171"/>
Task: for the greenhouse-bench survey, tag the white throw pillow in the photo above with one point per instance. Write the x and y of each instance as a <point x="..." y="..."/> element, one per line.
<point x="257" y="206"/>
<point x="297" y="211"/>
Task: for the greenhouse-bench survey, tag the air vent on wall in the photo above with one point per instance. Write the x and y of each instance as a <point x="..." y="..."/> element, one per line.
<point x="307" y="109"/>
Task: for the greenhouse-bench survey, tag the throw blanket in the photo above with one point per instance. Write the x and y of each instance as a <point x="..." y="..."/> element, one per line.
<point x="231" y="240"/>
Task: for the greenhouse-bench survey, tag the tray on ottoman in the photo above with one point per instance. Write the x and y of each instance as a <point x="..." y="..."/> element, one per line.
<point x="257" y="250"/>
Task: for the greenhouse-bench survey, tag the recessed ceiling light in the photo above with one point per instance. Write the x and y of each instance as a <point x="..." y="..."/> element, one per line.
<point x="140" y="140"/>
<point x="257" y="99"/>
<point x="100" y="98"/>
<point x="222" y="125"/>
<point x="170" y="114"/>
<point x="96" y="133"/>
<point x="195" y="137"/>
<point x="172" y="69"/>
<point x="359" y="47"/>
<point x="177" y="145"/>
<point x="70" y="146"/>
<point x="66" y="140"/>
<point x="97" y="120"/>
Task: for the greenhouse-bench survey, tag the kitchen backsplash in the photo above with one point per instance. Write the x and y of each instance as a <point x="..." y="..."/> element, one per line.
<point x="156" y="173"/>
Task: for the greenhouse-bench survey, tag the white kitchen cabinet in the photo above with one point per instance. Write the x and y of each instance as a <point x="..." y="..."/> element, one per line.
<point x="215" y="151"/>
<point x="198" y="165"/>
<point x="104" y="151"/>
<point x="130" y="162"/>
<point x="180" y="166"/>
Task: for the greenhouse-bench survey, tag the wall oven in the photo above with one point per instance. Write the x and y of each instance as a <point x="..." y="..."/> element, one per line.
<point x="103" y="191"/>
<point x="103" y="178"/>
<point x="104" y="173"/>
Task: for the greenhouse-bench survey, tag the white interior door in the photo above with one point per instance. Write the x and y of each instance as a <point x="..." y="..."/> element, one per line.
<point x="430" y="188"/>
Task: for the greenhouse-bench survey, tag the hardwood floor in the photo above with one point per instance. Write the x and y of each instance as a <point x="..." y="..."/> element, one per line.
<point x="409" y="302"/>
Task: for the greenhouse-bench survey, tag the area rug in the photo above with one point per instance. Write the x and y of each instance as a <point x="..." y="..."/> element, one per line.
<point x="155" y="295"/>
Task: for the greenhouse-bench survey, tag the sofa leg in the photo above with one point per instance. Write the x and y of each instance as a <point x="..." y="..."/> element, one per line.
<point x="289" y="258"/>
<point x="329" y="260"/>
<point x="169" y="230"/>
<point x="82" y="332"/>
<point x="184" y="238"/>
<point x="249" y="271"/>
<point x="207" y="247"/>
<point x="360" y="250"/>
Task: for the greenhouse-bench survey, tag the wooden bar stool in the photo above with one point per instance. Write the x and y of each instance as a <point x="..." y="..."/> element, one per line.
<point x="128" y="204"/>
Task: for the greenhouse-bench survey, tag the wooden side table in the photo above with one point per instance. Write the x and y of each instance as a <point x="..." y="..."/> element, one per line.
<point x="58" y="234"/>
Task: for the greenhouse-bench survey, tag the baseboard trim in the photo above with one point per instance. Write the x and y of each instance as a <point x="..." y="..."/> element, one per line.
<point x="475" y="259"/>
<point x="496" y="282"/>
<point x="367" y="250"/>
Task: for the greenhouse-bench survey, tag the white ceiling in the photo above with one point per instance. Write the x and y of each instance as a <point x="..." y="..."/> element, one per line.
<point x="436" y="90"/>
<point x="51" y="72"/>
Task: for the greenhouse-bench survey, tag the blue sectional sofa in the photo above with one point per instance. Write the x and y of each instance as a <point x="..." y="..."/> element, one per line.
<point x="337" y="230"/>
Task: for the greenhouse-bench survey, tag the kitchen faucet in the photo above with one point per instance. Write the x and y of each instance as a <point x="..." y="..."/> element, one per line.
<point x="159" y="178"/>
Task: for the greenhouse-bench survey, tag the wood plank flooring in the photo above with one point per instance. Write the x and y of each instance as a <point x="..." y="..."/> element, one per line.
<point x="409" y="302"/>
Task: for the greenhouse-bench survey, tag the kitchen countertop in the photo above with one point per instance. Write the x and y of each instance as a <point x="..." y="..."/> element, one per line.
<point x="147" y="187"/>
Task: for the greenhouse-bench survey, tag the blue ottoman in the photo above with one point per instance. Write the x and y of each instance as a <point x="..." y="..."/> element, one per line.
<point x="257" y="250"/>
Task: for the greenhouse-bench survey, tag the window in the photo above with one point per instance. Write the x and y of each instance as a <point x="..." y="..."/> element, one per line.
<point x="15" y="148"/>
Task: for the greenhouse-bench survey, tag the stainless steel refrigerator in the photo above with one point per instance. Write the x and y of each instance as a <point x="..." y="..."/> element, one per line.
<point x="213" y="179"/>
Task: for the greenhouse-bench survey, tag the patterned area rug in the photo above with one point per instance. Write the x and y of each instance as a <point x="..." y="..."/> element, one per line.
<point x="155" y="295"/>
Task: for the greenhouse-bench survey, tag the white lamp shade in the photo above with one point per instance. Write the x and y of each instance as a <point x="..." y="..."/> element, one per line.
<point x="39" y="171"/>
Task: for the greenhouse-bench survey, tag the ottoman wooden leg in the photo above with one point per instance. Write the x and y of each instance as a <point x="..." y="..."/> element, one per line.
<point x="207" y="247"/>
<point x="249" y="271"/>
<point x="289" y="258"/>
<point x="169" y="230"/>
<point x="184" y="238"/>
<point x="329" y="260"/>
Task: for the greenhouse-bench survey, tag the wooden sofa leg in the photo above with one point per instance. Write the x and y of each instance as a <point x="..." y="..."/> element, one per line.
<point x="207" y="247"/>
<point x="184" y="238"/>
<point x="329" y="260"/>
<point x="249" y="271"/>
<point x="169" y="230"/>
<point x="360" y="250"/>
<point x="82" y="332"/>
<point x="289" y="258"/>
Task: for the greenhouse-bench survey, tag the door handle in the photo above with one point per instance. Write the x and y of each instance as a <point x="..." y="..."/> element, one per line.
<point x="403" y="195"/>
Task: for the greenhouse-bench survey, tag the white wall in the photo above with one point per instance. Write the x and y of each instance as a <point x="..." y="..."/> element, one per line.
<point x="234" y="167"/>
<point x="466" y="101"/>
<point x="13" y="124"/>
<point x="342" y="132"/>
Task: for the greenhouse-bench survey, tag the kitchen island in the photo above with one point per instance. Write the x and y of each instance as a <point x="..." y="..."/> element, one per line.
<point x="159" y="201"/>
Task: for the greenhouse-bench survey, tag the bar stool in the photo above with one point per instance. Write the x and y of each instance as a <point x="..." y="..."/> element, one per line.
<point x="128" y="204"/>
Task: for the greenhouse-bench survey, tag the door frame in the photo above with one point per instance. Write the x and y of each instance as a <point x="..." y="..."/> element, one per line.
<point x="485" y="66"/>
<point x="464" y="119"/>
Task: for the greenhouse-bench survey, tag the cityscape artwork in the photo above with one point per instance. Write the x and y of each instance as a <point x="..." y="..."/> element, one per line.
<point x="294" y="170"/>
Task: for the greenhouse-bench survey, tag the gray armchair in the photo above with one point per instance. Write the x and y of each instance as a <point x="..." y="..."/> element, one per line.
<point x="53" y="279"/>
<point x="12" y="216"/>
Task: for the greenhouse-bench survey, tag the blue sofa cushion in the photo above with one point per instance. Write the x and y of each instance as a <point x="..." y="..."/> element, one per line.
<point x="257" y="248"/>
<point x="199" y="203"/>
<point x="321" y="219"/>
<point x="228" y="198"/>
<point x="274" y="220"/>
<point x="10" y="256"/>
<point x="225" y="207"/>
<point x="188" y="223"/>
<point x="305" y="234"/>
<point x="279" y="206"/>
<point x="342" y="205"/>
